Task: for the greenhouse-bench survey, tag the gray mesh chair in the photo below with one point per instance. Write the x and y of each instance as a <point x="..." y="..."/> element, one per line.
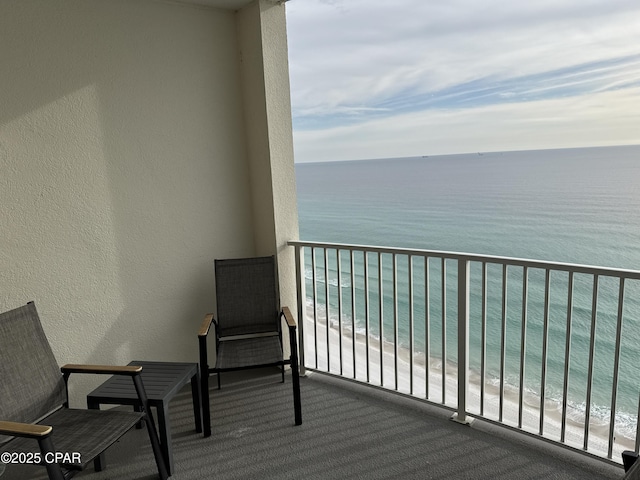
<point x="247" y="326"/>
<point x="35" y="418"/>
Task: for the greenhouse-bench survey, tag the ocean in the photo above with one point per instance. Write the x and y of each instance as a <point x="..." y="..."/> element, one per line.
<point x="568" y="205"/>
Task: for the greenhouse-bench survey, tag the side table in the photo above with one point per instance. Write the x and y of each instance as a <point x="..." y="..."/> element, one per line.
<point x="161" y="380"/>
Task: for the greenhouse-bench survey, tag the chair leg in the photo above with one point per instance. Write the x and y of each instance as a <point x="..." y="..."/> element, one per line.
<point x="204" y="385"/>
<point x="151" y="428"/>
<point x="297" y="402"/>
<point x="295" y="378"/>
<point x="155" y="446"/>
<point x="54" y="470"/>
<point x="100" y="462"/>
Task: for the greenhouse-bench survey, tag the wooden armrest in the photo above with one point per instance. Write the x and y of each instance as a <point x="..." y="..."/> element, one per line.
<point x="29" y="430"/>
<point x="288" y="317"/>
<point x="206" y="325"/>
<point x="102" y="369"/>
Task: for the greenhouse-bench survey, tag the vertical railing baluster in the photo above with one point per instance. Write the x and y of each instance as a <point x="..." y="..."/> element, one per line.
<point x="483" y="339"/>
<point x="444" y="330"/>
<point x="545" y="344"/>
<point x="592" y="348"/>
<point x="302" y="303"/>
<point x="314" y="277"/>
<point x="353" y="311"/>
<point x="327" y="306"/>
<point x="616" y="367"/>
<point x="367" y="313"/>
<point x="411" y="332"/>
<point x="523" y="342"/>
<point x="503" y="341"/>
<point x="567" y="357"/>
<point x="381" y="326"/>
<point x="340" y="309"/>
<point x="427" y="329"/>
<point x="463" y="339"/>
<point x="396" y="347"/>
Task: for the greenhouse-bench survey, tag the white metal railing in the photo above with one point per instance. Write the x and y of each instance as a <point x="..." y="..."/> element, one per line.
<point x="544" y="348"/>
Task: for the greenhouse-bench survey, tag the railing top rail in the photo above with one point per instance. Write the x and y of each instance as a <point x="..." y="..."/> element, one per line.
<point x="521" y="262"/>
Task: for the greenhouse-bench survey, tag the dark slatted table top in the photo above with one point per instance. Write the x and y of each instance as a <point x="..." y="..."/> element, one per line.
<point x="161" y="380"/>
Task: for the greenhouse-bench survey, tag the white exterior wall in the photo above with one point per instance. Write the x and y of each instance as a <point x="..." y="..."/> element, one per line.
<point x="265" y="74"/>
<point x="123" y="171"/>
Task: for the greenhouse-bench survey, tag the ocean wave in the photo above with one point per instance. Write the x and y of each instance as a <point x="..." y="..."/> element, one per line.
<point x="308" y="275"/>
<point x="600" y="416"/>
<point x="334" y="321"/>
<point x="625" y="423"/>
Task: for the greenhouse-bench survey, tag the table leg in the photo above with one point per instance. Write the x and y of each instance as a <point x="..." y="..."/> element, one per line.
<point x="138" y="408"/>
<point x="195" y="395"/>
<point x="165" y="436"/>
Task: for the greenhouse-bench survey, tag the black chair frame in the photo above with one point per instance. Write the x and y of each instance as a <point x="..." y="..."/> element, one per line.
<point x="253" y="340"/>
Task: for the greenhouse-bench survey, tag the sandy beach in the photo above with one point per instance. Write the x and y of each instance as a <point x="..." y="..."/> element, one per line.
<point x="341" y="362"/>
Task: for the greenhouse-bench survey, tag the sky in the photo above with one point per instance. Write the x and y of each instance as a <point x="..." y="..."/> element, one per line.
<point x="397" y="78"/>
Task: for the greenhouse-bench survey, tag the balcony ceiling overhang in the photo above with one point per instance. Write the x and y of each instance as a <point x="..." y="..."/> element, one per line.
<point x="225" y="4"/>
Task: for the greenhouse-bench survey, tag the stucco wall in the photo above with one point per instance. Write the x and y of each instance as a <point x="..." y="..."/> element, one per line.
<point x="123" y="171"/>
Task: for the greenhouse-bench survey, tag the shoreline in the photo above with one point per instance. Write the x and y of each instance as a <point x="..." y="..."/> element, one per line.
<point x="574" y="430"/>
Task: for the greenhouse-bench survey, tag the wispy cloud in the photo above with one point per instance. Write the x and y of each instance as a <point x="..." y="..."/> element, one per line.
<point x="360" y="65"/>
<point x="558" y="123"/>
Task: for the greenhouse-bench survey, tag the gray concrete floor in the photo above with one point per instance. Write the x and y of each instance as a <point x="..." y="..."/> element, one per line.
<point x="348" y="431"/>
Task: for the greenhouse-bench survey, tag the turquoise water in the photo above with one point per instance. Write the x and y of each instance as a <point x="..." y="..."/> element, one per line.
<point x="575" y="205"/>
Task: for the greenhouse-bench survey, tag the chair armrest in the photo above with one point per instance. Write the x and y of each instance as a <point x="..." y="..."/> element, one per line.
<point x="291" y="323"/>
<point x="132" y="371"/>
<point x="206" y="325"/>
<point x="15" y="429"/>
<point x="129" y="370"/>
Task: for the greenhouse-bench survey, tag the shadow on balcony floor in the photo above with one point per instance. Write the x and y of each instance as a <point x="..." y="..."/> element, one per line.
<point x="349" y="431"/>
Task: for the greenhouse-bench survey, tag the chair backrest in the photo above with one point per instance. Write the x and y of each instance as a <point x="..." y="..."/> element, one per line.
<point x="247" y="296"/>
<point x="31" y="385"/>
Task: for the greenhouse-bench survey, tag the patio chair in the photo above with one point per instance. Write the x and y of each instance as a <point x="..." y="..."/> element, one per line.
<point x="36" y="422"/>
<point x="247" y="326"/>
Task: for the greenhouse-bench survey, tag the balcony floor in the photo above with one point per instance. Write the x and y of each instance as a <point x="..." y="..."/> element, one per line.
<point x="349" y="431"/>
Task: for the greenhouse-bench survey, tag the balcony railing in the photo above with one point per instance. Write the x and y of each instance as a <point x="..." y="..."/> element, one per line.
<point x="545" y="348"/>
